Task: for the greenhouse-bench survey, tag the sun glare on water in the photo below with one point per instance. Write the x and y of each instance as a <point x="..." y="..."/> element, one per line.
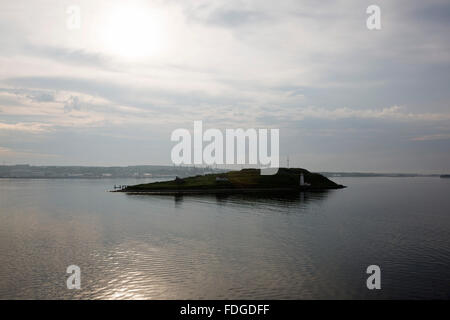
<point x="133" y="31"/>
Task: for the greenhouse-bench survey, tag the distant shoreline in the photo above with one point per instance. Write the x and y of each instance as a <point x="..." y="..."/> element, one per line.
<point x="88" y="178"/>
<point x="26" y="171"/>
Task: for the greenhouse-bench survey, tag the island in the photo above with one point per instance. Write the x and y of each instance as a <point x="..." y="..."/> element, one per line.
<point x="243" y="181"/>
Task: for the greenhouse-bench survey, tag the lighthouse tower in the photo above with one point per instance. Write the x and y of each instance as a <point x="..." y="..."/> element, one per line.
<point x="302" y="180"/>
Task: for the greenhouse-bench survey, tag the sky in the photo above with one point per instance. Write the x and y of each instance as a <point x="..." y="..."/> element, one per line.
<point x="111" y="90"/>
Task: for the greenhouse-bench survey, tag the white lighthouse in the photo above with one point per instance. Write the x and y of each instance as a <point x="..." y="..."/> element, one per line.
<point x="302" y="181"/>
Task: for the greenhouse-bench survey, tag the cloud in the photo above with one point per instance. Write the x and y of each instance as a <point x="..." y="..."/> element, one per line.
<point x="24" y="154"/>
<point x="73" y="103"/>
<point x="398" y="113"/>
<point x="225" y="15"/>
<point x="432" y="137"/>
<point x="32" y="127"/>
<point x="32" y="95"/>
<point x="4" y="150"/>
<point x="42" y="97"/>
<point x="77" y="57"/>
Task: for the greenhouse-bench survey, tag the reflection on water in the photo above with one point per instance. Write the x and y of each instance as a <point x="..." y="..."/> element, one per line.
<point x="264" y="200"/>
<point x="305" y="245"/>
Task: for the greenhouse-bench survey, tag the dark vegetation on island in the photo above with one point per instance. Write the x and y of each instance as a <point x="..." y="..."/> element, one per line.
<point x="246" y="180"/>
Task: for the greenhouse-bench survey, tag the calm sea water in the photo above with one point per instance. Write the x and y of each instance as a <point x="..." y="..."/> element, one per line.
<point x="314" y="245"/>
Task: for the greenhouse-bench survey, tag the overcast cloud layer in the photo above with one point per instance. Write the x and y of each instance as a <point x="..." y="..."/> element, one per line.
<point x="345" y="98"/>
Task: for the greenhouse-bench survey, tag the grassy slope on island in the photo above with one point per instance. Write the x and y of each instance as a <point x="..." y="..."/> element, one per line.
<point x="244" y="179"/>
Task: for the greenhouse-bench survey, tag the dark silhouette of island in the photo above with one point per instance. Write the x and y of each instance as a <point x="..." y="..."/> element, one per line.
<point x="245" y="180"/>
